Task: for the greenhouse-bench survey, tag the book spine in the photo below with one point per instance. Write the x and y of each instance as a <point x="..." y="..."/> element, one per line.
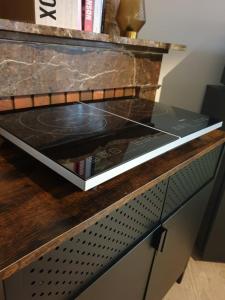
<point x="88" y="15"/>
<point x="78" y="15"/>
<point x="88" y="167"/>
<point x="82" y="168"/>
<point x="98" y="11"/>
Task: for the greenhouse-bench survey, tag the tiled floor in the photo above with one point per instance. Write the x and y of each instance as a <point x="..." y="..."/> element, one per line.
<point x="202" y="281"/>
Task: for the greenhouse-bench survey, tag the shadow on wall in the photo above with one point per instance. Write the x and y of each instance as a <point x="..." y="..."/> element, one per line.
<point x="199" y="25"/>
<point x="184" y="78"/>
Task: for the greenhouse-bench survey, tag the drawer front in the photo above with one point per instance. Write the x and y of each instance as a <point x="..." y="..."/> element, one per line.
<point x="66" y="271"/>
<point x="185" y="183"/>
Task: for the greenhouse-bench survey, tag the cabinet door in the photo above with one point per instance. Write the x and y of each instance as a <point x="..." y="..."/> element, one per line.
<point x="188" y="181"/>
<point x="180" y="234"/>
<point x="216" y="235"/>
<point x="128" y="278"/>
<point x="2" y="294"/>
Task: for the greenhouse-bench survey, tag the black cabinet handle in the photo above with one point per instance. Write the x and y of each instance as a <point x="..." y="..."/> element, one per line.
<point x="159" y="239"/>
<point x="163" y="239"/>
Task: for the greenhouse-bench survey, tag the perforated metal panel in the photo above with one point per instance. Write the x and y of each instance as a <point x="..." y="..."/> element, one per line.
<point x="61" y="274"/>
<point x="185" y="183"/>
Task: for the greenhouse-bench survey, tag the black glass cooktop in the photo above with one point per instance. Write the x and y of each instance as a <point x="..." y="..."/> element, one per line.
<point x="82" y="139"/>
<point x="170" y="119"/>
<point x="89" y="144"/>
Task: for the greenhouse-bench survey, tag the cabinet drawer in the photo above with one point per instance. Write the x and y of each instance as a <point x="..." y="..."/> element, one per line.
<point x="185" y="183"/>
<point x="64" y="272"/>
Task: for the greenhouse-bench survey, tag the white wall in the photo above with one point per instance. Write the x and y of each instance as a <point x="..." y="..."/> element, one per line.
<point x="199" y="24"/>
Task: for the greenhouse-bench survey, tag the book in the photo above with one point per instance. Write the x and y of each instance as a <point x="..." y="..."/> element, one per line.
<point x="88" y="167"/>
<point x="88" y="11"/>
<point x="98" y="16"/>
<point x="78" y="17"/>
<point x="61" y="13"/>
<point x="82" y="168"/>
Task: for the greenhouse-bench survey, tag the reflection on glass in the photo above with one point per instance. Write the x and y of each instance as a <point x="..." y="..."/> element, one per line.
<point x="170" y="119"/>
<point x="82" y="139"/>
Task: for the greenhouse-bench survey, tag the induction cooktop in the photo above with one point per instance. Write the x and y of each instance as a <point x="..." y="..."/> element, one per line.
<point x="89" y="144"/>
<point x="173" y="120"/>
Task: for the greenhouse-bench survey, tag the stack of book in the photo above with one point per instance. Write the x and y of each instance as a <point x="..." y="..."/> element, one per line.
<point x="84" y="15"/>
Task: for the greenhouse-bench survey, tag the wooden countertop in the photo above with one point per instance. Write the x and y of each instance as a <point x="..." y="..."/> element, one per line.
<point x="39" y="209"/>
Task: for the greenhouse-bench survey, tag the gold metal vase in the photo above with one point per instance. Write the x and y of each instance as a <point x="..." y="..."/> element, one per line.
<point x="131" y="17"/>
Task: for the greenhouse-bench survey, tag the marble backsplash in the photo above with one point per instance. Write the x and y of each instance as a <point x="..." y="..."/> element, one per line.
<point x="33" y="65"/>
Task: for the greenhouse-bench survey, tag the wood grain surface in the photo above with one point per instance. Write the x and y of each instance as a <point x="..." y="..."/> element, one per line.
<point x="39" y="209"/>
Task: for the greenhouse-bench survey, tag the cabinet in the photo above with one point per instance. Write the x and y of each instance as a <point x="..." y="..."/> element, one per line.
<point x="109" y="244"/>
<point x="128" y="278"/>
<point x="2" y="296"/>
<point x="212" y="231"/>
<point x="216" y="234"/>
<point x="180" y="232"/>
<point x="174" y="241"/>
<point x="135" y="252"/>
<point x="213" y="104"/>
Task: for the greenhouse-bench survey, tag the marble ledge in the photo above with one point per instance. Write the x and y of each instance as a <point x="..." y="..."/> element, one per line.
<point x="34" y="29"/>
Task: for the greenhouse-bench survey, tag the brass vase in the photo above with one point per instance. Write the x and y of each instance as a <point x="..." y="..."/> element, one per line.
<point x="131" y="17"/>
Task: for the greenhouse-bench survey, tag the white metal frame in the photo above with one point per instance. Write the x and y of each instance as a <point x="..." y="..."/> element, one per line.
<point x="109" y="174"/>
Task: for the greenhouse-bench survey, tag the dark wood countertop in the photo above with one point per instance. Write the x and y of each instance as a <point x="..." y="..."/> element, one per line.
<point x="39" y="209"/>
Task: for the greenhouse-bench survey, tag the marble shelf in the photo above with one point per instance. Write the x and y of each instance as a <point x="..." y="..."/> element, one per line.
<point x="8" y="27"/>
